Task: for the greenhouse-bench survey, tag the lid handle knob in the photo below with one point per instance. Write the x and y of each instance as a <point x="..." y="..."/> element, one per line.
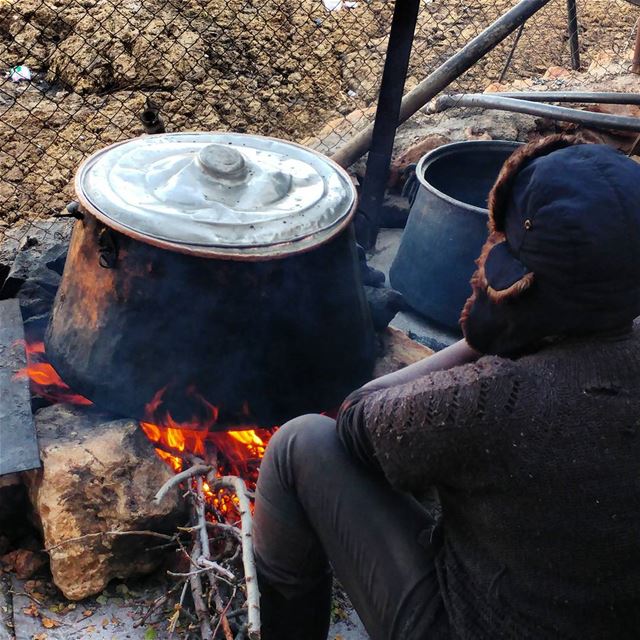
<point x="223" y="162"/>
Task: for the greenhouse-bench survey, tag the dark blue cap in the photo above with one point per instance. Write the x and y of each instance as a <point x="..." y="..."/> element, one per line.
<point x="572" y="219"/>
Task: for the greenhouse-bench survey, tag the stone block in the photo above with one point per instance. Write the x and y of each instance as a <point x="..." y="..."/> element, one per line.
<point x="99" y="475"/>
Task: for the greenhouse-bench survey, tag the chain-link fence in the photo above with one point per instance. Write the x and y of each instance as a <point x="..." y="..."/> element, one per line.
<point x="78" y="73"/>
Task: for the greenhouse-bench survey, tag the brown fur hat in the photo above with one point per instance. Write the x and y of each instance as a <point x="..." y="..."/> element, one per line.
<point x="541" y="272"/>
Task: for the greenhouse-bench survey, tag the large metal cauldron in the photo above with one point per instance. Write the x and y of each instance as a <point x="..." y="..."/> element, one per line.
<point x="219" y="266"/>
<point x="447" y="227"/>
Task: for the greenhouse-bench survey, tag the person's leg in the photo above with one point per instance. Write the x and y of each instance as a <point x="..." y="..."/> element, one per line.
<point x="315" y="503"/>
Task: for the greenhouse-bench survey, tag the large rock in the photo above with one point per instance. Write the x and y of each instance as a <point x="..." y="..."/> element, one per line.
<point x="98" y="475"/>
<point x="34" y="250"/>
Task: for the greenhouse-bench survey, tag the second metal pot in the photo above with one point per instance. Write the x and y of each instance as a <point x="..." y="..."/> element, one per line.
<point x="447" y="227"/>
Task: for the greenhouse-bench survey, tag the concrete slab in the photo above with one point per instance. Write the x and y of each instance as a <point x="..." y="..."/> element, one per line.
<point x="18" y="443"/>
<point x="6" y="609"/>
<point x="425" y="332"/>
<point x="381" y="257"/>
<point x="346" y="623"/>
<point x="350" y="629"/>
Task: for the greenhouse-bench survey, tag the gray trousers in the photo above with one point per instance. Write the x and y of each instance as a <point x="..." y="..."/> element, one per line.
<point x="317" y="508"/>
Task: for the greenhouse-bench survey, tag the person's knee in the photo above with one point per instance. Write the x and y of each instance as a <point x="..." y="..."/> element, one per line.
<point x="295" y="443"/>
<point x="300" y="433"/>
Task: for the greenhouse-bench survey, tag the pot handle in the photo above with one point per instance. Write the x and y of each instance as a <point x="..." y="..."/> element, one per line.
<point x="72" y="210"/>
<point x="411" y="185"/>
<point x="108" y="248"/>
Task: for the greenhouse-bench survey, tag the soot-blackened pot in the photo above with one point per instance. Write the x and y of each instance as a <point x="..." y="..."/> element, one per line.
<point x="220" y="268"/>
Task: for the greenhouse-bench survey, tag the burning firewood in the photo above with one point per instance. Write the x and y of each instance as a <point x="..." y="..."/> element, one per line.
<point x="215" y="588"/>
<point x="220" y="577"/>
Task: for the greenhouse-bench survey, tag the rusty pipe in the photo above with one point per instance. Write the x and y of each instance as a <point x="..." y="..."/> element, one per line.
<point x="445" y="74"/>
<point x="501" y="103"/>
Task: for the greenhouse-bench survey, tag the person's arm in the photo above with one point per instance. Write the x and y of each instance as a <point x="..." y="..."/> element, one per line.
<point x="454" y="355"/>
<point x="350" y="421"/>
<point x="428" y="428"/>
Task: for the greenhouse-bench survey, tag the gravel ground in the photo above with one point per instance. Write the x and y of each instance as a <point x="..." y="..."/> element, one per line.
<point x="37" y="612"/>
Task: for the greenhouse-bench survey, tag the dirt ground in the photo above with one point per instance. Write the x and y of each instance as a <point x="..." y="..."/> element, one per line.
<point x="275" y="67"/>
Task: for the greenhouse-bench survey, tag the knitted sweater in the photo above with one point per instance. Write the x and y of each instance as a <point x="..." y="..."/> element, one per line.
<point x="537" y="464"/>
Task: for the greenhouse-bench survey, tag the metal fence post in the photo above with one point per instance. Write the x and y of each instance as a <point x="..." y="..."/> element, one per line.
<point x="635" y="65"/>
<point x="445" y="74"/>
<point x="572" y="27"/>
<point x="405" y="15"/>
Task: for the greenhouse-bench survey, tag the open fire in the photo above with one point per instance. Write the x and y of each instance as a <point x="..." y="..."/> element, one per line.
<point x="217" y="469"/>
<point x="236" y="451"/>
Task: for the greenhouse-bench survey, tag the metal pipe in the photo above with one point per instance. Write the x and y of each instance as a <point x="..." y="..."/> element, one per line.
<point x="600" y="97"/>
<point x="403" y="25"/>
<point x="507" y="63"/>
<point x="445" y="74"/>
<point x="492" y="101"/>
<point x="152" y="122"/>
<point x="572" y="28"/>
<point x="150" y="118"/>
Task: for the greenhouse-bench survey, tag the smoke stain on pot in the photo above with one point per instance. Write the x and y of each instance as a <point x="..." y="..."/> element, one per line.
<point x="273" y="330"/>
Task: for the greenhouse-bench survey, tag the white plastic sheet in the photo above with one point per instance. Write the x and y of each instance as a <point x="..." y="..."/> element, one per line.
<point x="336" y="5"/>
<point x="21" y="72"/>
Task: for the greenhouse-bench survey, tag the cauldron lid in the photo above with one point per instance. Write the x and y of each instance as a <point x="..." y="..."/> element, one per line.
<point x="227" y="194"/>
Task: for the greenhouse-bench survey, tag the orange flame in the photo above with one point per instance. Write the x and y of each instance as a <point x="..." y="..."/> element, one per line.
<point x="238" y="452"/>
<point x="45" y="381"/>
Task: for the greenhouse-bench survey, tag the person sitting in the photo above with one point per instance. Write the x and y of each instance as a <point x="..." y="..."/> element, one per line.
<point x="528" y="431"/>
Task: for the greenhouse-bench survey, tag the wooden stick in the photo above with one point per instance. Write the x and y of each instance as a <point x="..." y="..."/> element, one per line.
<point x="211" y="565"/>
<point x="235" y="613"/>
<point x="176" y="616"/>
<point x="197" y="572"/>
<point x="200" y="559"/>
<point x="205" y="560"/>
<point x="202" y="519"/>
<point x="198" y="600"/>
<point x="222" y="612"/>
<point x="225" y="528"/>
<point x="99" y="534"/>
<point x="237" y="485"/>
<point x="28" y="595"/>
<point x="196" y="470"/>
<point x="159" y="601"/>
